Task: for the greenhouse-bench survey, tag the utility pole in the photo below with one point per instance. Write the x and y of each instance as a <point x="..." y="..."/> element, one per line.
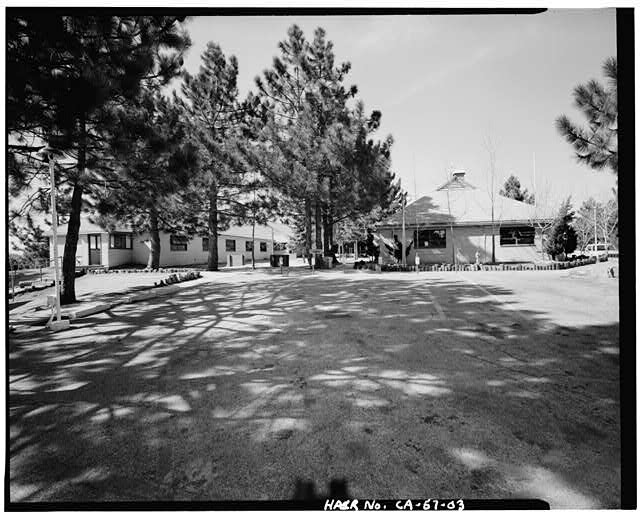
<point x="535" y="196"/>
<point x="58" y="324"/>
<point x="415" y="199"/>
<point x="404" y="248"/>
<point x="595" y="228"/>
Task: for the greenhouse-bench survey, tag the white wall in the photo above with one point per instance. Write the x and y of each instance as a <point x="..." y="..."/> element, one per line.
<point x="82" y="250"/>
<point x="194" y="253"/>
<point x="118" y="256"/>
<point x="468" y="240"/>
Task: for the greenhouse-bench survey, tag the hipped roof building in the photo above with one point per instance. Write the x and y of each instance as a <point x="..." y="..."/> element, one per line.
<point x="459" y="220"/>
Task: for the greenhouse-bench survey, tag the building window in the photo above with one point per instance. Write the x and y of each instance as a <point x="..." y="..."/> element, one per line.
<point x="248" y="246"/>
<point x="263" y="246"/>
<point x="94" y="242"/>
<point x="120" y="241"/>
<point x="430" y="238"/>
<point x="517" y="236"/>
<point x="230" y="245"/>
<point x="205" y="244"/>
<point x="279" y="247"/>
<point x="178" y="243"/>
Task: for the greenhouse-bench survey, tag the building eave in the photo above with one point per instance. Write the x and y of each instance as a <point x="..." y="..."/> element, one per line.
<point x="455" y="224"/>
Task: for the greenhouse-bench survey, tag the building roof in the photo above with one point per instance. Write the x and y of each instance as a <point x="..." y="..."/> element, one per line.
<point x="281" y="233"/>
<point x="89" y="227"/>
<point x="461" y="203"/>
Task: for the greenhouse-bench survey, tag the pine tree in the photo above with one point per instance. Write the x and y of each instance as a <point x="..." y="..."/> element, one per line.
<point x="154" y="160"/>
<point x="597" y="145"/>
<point x="211" y="101"/>
<point x="321" y="157"/>
<point x="513" y="189"/>
<point x="287" y="141"/>
<point x="64" y="74"/>
<point x="562" y="237"/>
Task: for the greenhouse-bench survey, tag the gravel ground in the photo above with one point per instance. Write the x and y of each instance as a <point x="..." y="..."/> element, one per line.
<point x="477" y="385"/>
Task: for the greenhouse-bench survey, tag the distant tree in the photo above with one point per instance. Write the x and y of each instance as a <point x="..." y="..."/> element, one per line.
<point x="562" y="237"/>
<point x="490" y="147"/>
<point x="597" y="145"/>
<point x="512" y="189"/>
<point x="34" y="245"/>
<point x="597" y="217"/>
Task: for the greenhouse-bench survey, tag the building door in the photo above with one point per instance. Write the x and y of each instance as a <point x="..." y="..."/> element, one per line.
<point x="95" y="249"/>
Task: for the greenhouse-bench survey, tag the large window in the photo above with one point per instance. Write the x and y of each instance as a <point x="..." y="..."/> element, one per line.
<point x="430" y="238"/>
<point x="517" y="236"/>
<point x="248" y="246"/>
<point x="178" y="243"/>
<point x="120" y="241"/>
<point x="205" y="244"/>
<point x="263" y="246"/>
<point x="279" y="247"/>
<point x="230" y="245"/>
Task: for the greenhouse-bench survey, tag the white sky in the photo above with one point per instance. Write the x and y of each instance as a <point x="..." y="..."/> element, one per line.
<point x="444" y="83"/>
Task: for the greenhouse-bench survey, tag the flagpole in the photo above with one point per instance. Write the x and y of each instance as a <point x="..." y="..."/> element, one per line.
<point x="404" y="250"/>
<point x="535" y="196"/>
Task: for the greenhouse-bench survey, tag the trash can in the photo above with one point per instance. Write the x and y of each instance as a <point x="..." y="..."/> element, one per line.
<point x="275" y="260"/>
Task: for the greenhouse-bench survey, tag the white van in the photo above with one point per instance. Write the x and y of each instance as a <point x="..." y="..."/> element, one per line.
<point x="599" y="250"/>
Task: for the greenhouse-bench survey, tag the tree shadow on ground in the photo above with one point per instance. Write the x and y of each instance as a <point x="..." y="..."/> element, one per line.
<point x="235" y="391"/>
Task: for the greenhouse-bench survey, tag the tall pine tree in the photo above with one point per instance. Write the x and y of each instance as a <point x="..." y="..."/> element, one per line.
<point x="64" y="73"/>
<point x="211" y="101"/>
<point x="153" y="160"/>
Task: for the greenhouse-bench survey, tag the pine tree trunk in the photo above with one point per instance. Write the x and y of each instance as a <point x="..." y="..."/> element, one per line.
<point x="68" y="293"/>
<point x="330" y="237"/>
<point x="307" y="229"/>
<point x="253" y="244"/>
<point x="325" y="234"/>
<point x="154" y="256"/>
<point x="318" y="214"/>
<point x="328" y="225"/>
<point x="212" y="262"/>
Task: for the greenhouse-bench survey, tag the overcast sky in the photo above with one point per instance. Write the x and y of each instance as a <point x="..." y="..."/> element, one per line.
<point x="445" y="83"/>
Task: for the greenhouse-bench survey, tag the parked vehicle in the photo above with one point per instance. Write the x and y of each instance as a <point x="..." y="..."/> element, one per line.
<point x="601" y="251"/>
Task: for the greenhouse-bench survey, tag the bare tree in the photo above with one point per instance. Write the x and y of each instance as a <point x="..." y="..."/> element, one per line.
<point x="542" y="214"/>
<point x="453" y="243"/>
<point x="490" y="147"/>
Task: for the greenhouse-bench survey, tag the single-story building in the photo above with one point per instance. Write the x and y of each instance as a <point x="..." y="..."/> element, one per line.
<point x="454" y="222"/>
<point x="98" y="246"/>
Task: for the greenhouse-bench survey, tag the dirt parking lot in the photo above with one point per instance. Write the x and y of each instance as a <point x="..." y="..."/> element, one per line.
<point x="477" y="385"/>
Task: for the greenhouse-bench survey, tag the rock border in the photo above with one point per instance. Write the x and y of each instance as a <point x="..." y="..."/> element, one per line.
<point x="557" y="265"/>
<point x="102" y="271"/>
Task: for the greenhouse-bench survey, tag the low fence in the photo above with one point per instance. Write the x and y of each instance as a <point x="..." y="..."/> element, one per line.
<point x="27" y="275"/>
<point x="493" y="267"/>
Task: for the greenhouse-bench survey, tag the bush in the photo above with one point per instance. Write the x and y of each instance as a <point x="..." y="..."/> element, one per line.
<point x="562" y="238"/>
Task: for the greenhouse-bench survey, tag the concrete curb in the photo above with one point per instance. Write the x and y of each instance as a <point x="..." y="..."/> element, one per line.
<point x="88" y="310"/>
<point x="97" y="307"/>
